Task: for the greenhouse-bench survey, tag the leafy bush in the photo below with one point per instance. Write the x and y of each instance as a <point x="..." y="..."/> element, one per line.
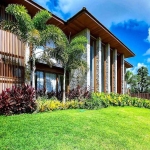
<point x="100" y="100"/>
<point x="79" y="93"/>
<point x="17" y="100"/>
<point x="50" y="105"/>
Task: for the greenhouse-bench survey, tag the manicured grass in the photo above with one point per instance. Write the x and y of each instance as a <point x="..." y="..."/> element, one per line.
<point x="113" y="128"/>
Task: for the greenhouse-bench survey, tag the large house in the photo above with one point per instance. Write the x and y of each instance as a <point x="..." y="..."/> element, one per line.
<point x="105" y="54"/>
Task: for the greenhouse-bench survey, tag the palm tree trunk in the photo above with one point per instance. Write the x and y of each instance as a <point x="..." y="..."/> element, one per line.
<point x="64" y="85"/>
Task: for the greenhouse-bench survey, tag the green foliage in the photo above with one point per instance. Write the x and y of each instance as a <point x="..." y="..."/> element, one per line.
<point x="139" y="82"/>
<point x="144" y="82"/>
<point x="101" y="100"/>
<point x="22" y="17"/>
<point x="69" y="53"/>
<point x="40" y="19"/>
<point x="44" y="105"/>
<point x="97" y="101"/>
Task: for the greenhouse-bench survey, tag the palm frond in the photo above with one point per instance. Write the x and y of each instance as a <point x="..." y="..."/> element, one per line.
<point x="22" y="17"/>
<point x="51" y="33"/>
<point x="79" y="40"/>
<point x="40" y="19"/>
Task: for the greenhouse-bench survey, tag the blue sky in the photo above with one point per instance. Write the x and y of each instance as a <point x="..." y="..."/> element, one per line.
<point x="128" y="20"/>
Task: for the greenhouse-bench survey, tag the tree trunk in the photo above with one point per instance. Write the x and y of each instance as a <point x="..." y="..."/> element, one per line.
<point x="64" y="85"/>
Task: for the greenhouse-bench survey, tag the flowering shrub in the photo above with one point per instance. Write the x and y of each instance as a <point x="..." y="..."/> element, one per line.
<point x="99" y="100"/>
<point x="50" y="105"/>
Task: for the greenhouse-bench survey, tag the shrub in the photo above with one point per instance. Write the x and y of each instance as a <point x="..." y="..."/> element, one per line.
<point x="100" y="100"/>
<point x="51" y="105"/>
<point x="17" y="100"/>
<point x="79" y="93"/>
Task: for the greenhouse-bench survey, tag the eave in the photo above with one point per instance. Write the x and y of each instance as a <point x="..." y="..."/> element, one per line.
<point x="127" y="64"/>
<point x="82" y="20"/>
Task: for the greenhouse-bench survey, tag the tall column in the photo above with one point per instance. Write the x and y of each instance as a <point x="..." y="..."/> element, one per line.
<point x="122" y="75"/>
<point x="114" y="71"/>
<point x="87" y="35"/>
<point x="107" y="68"/>
<point x="98" y="65"/>
<point x="27" y="64"/>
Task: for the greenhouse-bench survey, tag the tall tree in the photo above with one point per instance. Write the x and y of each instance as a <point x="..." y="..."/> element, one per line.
<point x="70" y="54"/>
<point x="143" y="83"/>
<point x="33" y="31"/>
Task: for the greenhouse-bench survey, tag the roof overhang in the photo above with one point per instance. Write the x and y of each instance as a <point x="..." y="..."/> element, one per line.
<point x="82" y="20"/>
<point x="127" y="64"/>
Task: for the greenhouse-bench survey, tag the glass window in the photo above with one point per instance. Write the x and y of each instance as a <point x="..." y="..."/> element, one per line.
<point x="40" y="80"/>
<point x="50" y="82"/>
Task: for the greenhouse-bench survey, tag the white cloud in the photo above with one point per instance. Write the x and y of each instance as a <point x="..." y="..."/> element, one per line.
<point x="148" y="60"/>
<point x="148" y="38"/>
<point x="147" y="52"/>
<point x="114" y="10"/>
<point x="134" y="69"/>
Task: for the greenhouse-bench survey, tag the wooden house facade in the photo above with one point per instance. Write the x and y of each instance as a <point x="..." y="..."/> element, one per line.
<point x="105" y="54"/>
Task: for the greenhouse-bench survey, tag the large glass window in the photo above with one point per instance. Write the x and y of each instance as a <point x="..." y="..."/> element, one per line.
<point x="50" y="82"/>
<point x="40" y="80"/>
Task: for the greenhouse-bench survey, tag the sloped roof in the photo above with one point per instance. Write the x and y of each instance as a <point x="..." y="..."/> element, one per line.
<point x="82" y="20"/>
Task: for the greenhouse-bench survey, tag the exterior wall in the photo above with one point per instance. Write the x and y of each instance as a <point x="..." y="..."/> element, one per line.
<point x="11" y="57"/>
<point x="76" y="77"/>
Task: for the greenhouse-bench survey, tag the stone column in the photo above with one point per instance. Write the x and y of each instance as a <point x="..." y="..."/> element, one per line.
<point x="98" y="66"/>
<point x="27" y="64"/>
<point x="87" y="35"/>
<point x="122" y="75"/>
<point x="114" y="71"/>
<point x="107" y="68"/>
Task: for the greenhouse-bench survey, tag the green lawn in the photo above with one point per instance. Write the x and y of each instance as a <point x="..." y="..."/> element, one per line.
<point x="113" y="128"/>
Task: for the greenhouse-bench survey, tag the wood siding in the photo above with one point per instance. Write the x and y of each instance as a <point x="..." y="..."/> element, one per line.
<point x="11" y="56"/>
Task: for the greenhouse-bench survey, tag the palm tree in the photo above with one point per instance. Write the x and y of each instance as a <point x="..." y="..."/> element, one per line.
<point x="128" y="77"/>
<point x="33" y="31"/>
<point x="70" y="55"/>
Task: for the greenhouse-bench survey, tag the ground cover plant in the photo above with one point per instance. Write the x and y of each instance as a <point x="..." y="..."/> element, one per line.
<point x="112" y="128"/>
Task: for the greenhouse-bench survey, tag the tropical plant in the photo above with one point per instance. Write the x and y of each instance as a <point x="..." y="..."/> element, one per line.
<point x="70" y="54"/>
<point x="17" y="100"/>
<point x="33" y="31"/>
